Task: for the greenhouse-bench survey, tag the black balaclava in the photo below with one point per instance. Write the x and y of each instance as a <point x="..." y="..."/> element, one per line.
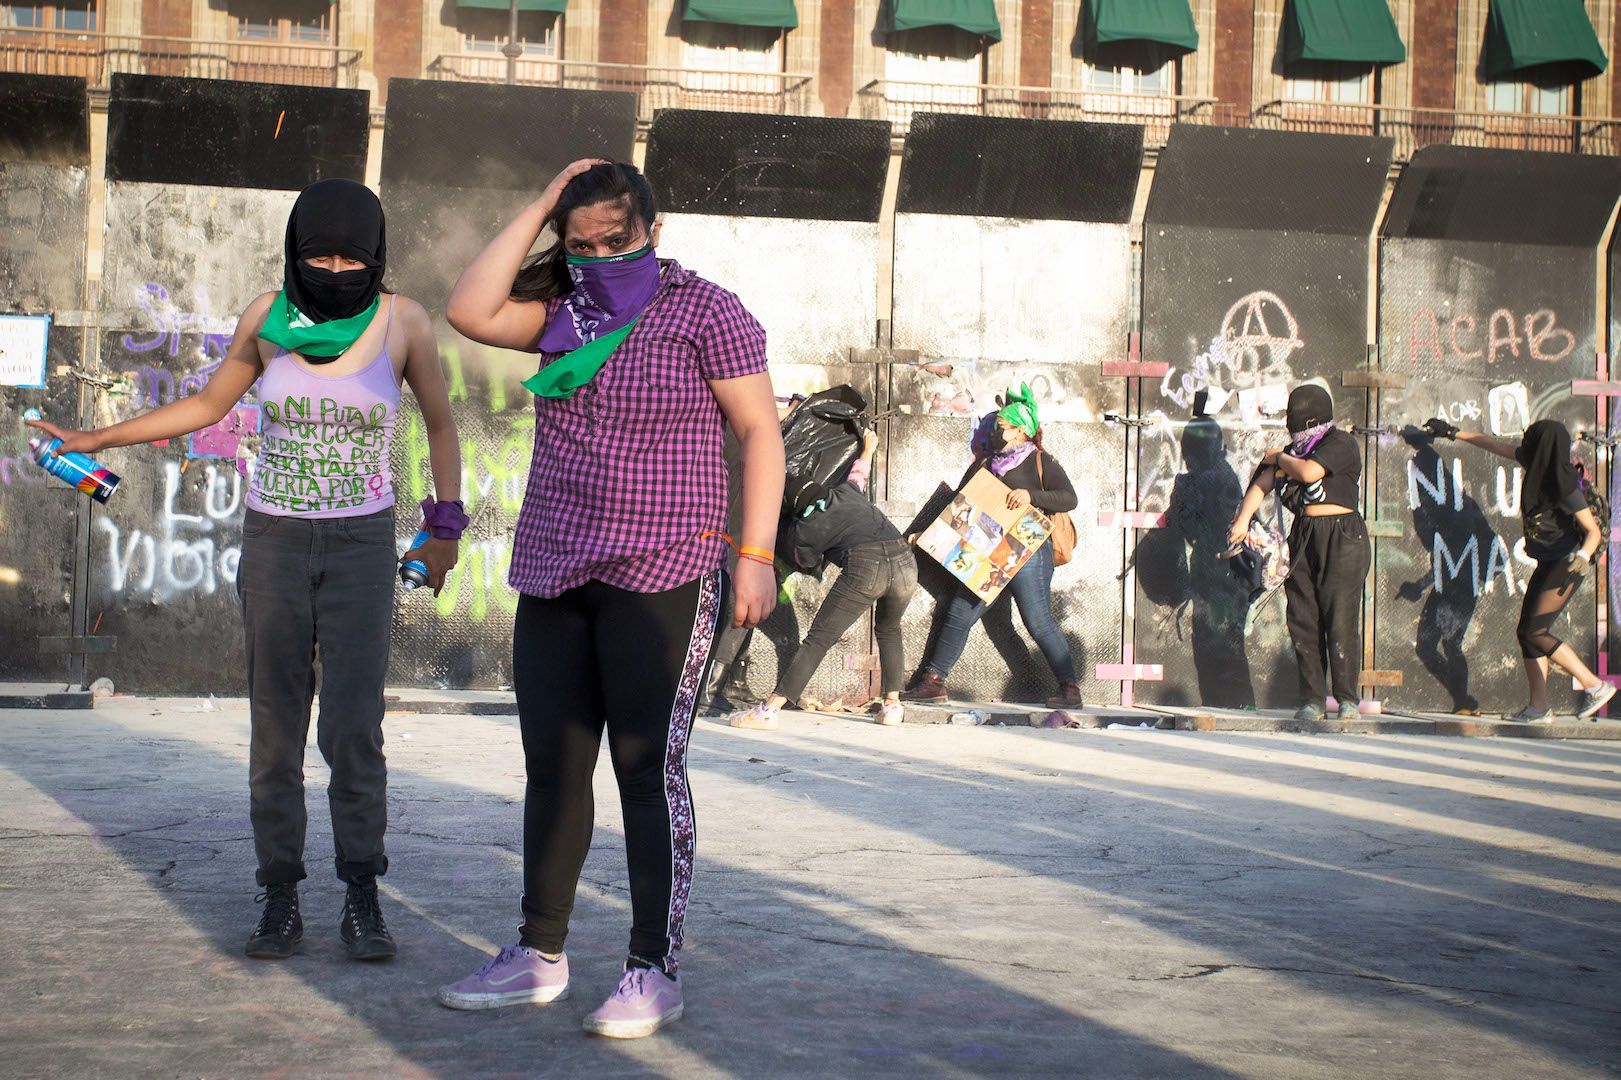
<point x="1549" y="475"/>
<point x="1309" y="405"/>
<point x="334" y="217"/>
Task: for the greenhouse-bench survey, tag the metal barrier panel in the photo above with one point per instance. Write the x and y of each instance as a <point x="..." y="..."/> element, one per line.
<point x="459" y="162"/>
<point x="44" y="171"/>
<point x="169" y="130"/>
<point x="1487" y="314"/>
<point x="784" y="212"/>
<point x="1013" y="264"/>
<point x="182" y="260"/>
<point x="181" y="264"/>
<point x="1255" y="278"/>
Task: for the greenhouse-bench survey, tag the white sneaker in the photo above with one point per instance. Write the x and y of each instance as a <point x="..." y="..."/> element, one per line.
<point x="891" y="714"/>
<point x="758" y="718"/>
<point x="1594" y="700"/>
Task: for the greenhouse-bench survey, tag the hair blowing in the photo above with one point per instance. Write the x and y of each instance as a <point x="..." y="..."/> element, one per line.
<point x="545" y="275"/>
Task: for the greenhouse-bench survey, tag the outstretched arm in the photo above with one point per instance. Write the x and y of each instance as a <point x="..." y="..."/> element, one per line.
<point x="1437" y="428"/>
<point x="182" y="417"/>
<point x="1489" y="443"/>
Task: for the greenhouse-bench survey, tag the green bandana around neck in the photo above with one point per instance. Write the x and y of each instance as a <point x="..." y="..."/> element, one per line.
<point x="1020" y="410"/>
<point x="290" y="328"/>
<point x="574" y="369"/>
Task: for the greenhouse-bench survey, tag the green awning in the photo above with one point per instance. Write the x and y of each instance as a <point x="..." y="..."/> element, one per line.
<point x="780" y="13"/>
<point x="1169" y="22"/>
<point x="1526" y="33"/>
<point x="1355" y="31"/>
<point x="558" y="6"/>
<point x="974" y="16"/>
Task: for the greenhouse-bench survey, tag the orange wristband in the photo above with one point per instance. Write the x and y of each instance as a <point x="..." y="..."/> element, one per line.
<point x="759" y="553"/>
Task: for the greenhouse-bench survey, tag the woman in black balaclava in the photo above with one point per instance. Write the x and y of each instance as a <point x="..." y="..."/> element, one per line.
<point x="1563" y="537"/>
<point x="1316" y="477"/>
<point x="317" y="570"/>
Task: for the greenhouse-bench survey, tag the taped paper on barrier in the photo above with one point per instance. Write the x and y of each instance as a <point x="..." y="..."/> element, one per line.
<point x="981" y="542"/>
<point x="23" y="340"/>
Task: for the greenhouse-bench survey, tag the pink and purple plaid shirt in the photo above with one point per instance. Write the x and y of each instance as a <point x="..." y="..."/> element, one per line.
<point x="630" y="471"/>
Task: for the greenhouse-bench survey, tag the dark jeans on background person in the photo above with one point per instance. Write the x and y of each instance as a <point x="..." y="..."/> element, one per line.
<point x="1032" y="589"/>
<point x="600" y="657"/>
<point x="311" y="586"/>
<point x="1329" y="559"/>
<point x="883" y="571"/>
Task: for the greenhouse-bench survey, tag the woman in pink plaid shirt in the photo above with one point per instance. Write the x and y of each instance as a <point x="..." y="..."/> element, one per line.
<point x="619" y="556"/>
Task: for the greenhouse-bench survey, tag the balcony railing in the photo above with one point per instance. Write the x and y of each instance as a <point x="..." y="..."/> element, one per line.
<point x="655" y="87"/>
<point x="96" y="56"/>
<point x="888" y="99"/>
<point x="1414" y="128"/>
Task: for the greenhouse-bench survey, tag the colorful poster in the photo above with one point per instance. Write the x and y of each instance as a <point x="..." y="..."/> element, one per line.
<point x="22" y="349"/>
<point x="980" y="541"/>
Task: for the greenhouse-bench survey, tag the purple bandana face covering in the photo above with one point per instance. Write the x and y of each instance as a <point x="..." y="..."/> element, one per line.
<point x="1004" y="461"/>
<point x="1306" y="441"/>
<point x="608" y="293"/>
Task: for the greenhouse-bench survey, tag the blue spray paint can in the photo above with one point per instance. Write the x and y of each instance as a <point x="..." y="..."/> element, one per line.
<point x="414" y="574"/>
<point x="80" y="470"/>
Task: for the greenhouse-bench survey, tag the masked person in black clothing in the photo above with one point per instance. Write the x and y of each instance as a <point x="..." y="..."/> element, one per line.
<point x="1010" y="446"/>
<point x="1563" y="537"/>
<point x="840" y="524"/>
<point x="1316" y="476"/>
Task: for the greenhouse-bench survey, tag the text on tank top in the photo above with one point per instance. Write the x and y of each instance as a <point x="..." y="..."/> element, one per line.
<point x="324" y="440"/>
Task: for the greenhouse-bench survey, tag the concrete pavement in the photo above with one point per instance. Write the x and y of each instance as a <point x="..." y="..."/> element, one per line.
<point x="925" y="900"/>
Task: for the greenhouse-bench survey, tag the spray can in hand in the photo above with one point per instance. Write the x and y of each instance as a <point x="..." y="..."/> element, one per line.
<point x="82" y="471"/>
<point x="414" y="574"/>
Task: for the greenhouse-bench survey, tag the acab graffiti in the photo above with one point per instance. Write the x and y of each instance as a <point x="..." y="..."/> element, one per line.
<point x="1498" y="336"/>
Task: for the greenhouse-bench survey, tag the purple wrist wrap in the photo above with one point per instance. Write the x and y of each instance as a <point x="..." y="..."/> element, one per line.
<point x="444" y="520"/>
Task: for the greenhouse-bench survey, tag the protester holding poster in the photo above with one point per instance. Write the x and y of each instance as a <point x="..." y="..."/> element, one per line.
<point x="1008" y="446"/>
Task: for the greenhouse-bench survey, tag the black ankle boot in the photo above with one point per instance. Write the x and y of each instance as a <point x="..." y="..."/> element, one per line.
<point x="280" y="927"/>
<point x="362" y="927"/>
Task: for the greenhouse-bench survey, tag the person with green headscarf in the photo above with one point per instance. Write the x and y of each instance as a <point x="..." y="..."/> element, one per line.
<point x="317" y="573"/>
<point x="1008" y="443"/>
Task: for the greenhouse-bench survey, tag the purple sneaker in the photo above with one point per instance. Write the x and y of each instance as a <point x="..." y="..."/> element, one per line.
<point x="514" y="976"/>
<point x="645" y="1001"/>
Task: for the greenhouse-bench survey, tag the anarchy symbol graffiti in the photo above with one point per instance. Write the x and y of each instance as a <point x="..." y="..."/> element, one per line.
<point x="1260" y="321"/>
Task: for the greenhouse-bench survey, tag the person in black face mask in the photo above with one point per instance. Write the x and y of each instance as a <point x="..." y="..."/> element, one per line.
<point x="317" y="573"/>
<point x="1317" y="478"/>
<point x="1562" y="535"/>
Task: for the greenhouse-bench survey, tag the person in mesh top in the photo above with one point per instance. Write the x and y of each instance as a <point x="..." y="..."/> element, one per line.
<point x="619" y="556"/>
<point x="1563" y="536"/>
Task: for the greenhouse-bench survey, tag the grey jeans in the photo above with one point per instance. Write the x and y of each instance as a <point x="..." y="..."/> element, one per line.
<point x="317" y="587"/>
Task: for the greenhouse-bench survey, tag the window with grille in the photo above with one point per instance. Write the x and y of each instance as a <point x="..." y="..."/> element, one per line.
<point x="290" y="23"/>
<point x="63" y="15"/>
<point x="484" y="30"/>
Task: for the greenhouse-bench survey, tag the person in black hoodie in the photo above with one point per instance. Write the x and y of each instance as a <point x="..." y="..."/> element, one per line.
<point x="1010" y="447"/>
<point x="1317" y="477"/>
<point x="841" y="525"/>
<point x="1562" y="535"/>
